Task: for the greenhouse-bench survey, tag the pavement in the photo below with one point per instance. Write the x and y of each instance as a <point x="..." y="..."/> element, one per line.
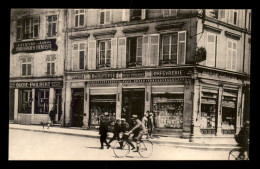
<point x="214" y="144"/>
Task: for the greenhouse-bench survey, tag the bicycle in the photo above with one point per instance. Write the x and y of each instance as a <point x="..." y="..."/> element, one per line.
<point x="145" y="148"/>
<point x="234" y="155"/>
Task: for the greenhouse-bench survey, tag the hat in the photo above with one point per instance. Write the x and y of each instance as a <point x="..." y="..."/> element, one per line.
<point x="106" y="113"/>
<point x="134" y="116"/>
<point x="123" y="119"/>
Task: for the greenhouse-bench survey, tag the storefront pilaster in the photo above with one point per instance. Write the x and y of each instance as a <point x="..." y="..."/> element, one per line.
<point x="33" y="100"/>
<point x="52" y="99"/>
<point x="16" y="105"/>
<point x="148" y="93"/>
<point x="119" y="100"/>
<point x="86" y="105"/>
<point x="68" y="104"/>
<point x="239" y="110"/>
<point x="219" y="115"/>
<point x="196" y="103"/>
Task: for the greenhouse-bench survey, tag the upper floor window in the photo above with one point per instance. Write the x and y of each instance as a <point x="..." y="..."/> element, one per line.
<point x="169" y="12"/>
<point x="51" y="64"/>
<point x="27" y="28"/>
<point x="26" y="63"/>
<point x="105" y="16"/>
<point x="104" y="59"/>
<point x="134" y="56"/>
<point x="79" y="17"/>
<point x="249" y="21"/>
<point x="231" y="60"/>
<point x="233" y="17"/>
<point x="169" y="48"/>
<point x="211" y="49"/>
<point x="136" y="14"/>
<point x="52" y="25"/>
<point x="79" y="52"/>
<point x="222" y="14"/>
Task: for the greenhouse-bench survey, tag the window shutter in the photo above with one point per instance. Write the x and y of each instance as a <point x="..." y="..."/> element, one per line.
<point x="145" y="50"/>
<point x="86" y="56"/>
<point x="234" y="56"/>
<point x="113" y="52"/>
<point x="143" y="14"/>
<point x="125" y="14"/>
<point x="221" y="14"/>
<point x="102" y="17"/>
<point x="181" y="47"/>
<point x="229" y="55"/>
<point x="154" y="50"/>
<point x="108" y="16"/>
<point x="121" y="52"/>
<point x="231" y="16"/>
<point x="75" y="57"/>
<point x="92" y="54"/>
<point x="210" y="61"/>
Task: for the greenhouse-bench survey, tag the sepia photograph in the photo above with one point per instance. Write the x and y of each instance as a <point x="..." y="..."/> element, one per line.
<point x="129" y="84"/>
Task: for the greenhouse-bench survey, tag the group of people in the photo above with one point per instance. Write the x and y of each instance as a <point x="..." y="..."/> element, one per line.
<point x="138" y="128"/>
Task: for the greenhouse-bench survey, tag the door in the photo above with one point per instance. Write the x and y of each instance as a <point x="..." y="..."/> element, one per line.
<point x="77" y="107"/>
<point x="11" y="104"/>
<point x="58" y="105"/>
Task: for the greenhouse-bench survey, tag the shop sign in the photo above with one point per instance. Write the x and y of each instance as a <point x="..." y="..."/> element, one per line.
<point x="77" y="76"/>
<point x="35" y="46"/>
<point x="47" y="84"/>
<point x="208" y="131"/>
<point x="131" y="74"/>
<point x="228" y="131"/>
<point x="103" y="75"/>
<point x="166" y="73"/>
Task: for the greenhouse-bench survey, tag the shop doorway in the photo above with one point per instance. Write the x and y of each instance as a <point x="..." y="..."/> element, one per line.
<point x="58" y="105"/>
<point x="11" y="104"/>
<point x="77" y="107"/>
<point x="133" y="103"/>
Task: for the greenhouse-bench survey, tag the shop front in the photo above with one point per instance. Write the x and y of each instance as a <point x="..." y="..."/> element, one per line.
<point x="34" y="100"/>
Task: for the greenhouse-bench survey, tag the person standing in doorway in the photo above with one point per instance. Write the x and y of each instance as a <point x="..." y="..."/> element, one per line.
<point x="52" y="116"/>
<point x="103" y="130"/>
<point x="145" y="119"/>
<point x="150" y="125"/>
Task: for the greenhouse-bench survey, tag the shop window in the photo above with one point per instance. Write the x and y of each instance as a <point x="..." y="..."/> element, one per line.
<point x="211" y="50"/>
<point x="208" y="112"/>
<point x="41" y="101"/>
<point x="231" y="60"/>
<point x="105" y="16"/>
<point x="27" y="28"/>
<point x="52" y="25"/>
<point x="104" y="59"/>
<point x="99" y="104"/>
<point x="25" y="101"/>
<point x="51" y="64"/>
<point x="134" y="57"/>
<point x="79" y="52"/>
<point x="26" y="64"/>
<point x="169" y="12"/>
<point x="168" y="109"/>
<point x="169" y="49"/>
<point x="79" y="17"/>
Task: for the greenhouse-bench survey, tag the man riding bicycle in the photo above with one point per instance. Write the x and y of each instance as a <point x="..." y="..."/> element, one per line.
<point x="138" y="130"/>
<point x="243" y="140"/>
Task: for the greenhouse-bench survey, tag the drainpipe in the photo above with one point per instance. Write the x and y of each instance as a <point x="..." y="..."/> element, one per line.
<point x="244" y="52"/>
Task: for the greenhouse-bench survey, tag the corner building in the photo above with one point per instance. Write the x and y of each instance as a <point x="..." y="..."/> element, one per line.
<point x="129" y="61"/>
<point x="37" y="50"/>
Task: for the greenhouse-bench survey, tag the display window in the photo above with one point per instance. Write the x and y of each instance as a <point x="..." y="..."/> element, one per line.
<point x="99" y="104"/>
<point x="25" y="101"/>
<point x="42" y="101"/>
<point x="208" y="110"/>
<point x="168" y="109"/>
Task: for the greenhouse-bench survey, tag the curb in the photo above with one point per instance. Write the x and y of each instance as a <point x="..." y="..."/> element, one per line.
<point x="198" y="146"/>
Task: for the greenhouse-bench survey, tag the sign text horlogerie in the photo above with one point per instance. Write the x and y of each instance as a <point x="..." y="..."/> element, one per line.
<point x="35" y="46"/>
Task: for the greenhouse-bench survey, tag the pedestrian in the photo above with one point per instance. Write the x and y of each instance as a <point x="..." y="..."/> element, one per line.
<point x="243" y="140"/>
<point x="124" y="129"/>
<point x="145" y="119"/>
<point x="103" y="130"/>
<point x="113" y="119"/>
<point x="52" y="116"/>
<point x="150" y="125"/>
<point x="116" y="130"/>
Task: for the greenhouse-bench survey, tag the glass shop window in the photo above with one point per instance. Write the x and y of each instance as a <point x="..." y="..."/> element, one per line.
<point x="168" y="109"/>
<point x="25" y="101"/>
<point x="41" y="101"/>
<point x="228" y="113"/>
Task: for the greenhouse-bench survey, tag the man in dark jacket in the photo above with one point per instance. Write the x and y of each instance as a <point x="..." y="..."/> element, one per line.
<point x="150" y="125"/>
<point x="243" y="140"/>
<point x="103" y="129"/>
<point x="125" y="129"/>
<point x="116" y="131"/>
<point x="52" y="116"/>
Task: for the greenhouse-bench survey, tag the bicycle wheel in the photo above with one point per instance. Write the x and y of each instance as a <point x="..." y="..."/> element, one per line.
<point x="233" y="154"/>
<point x="146" y="148"/>
<point x="121" y="151"/>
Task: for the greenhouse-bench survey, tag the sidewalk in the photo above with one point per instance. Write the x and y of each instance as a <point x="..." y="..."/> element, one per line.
<point x="176" y="142"/>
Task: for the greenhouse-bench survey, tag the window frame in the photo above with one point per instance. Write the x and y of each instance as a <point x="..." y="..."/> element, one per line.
<point x="26" y="63"/>
<point x="78" y="53"/>
<point x="213" y="43"/>
<point x="105" y="50"/>
<point x="51" y="61"/>
<point x="105" y="18"/>
<point x="45" y="105"/>
<point x="170" y="12"/>
<point x="52" y="22"/>
<point x="219" y="15"/>
<point x="21" y="29"/>
<point x="249" y="21"/>
<point x="232" y="50"/>
<point x="78" y="14"/>
<point x="170" y="46"/>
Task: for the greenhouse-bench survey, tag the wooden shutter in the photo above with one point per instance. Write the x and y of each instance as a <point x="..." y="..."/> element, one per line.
<point x="211" y="44"/>
<point x="125" y="14"/>
<point x="154" y="50"/>
<point x="181" y="47"/>
<point x="92" y="54"/>
<point x="113" y="52"/>
<point x="231" y="17"/>
<point x="75" y="57"/>
<point x="145" y="50"/>
<point x="121" y="52"/>
<point x="229" y="55"/>
<point x="86" y="56"/>
<point x="234" y="56"/>
<point x="143" y="14"/>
